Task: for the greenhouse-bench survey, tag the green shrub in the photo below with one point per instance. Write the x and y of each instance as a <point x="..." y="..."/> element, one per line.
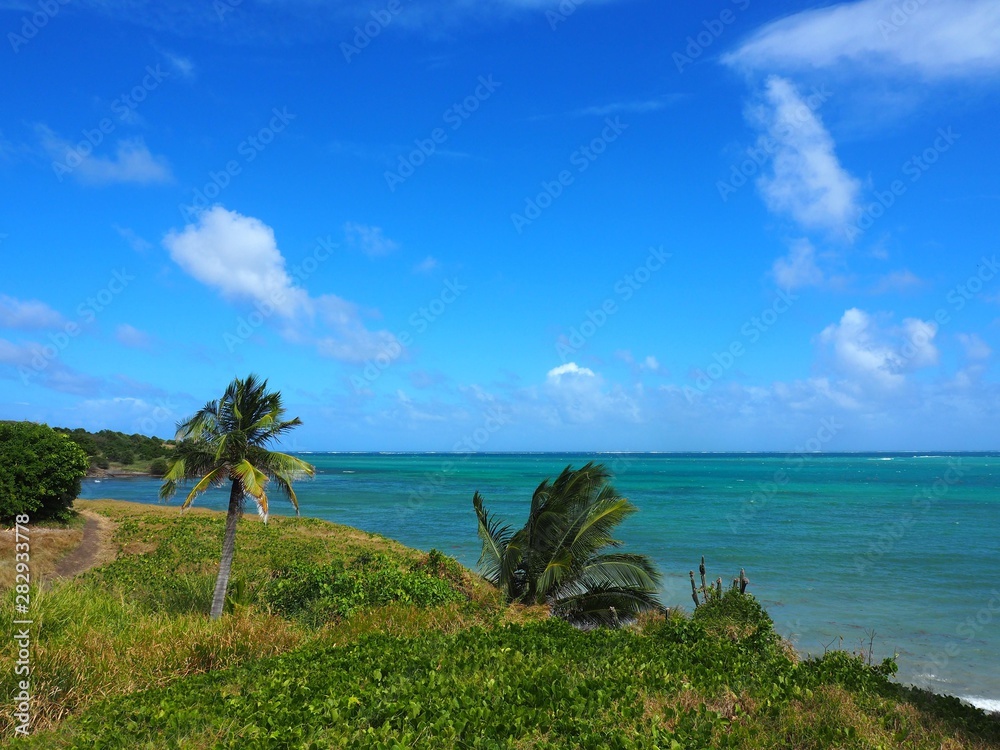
<point x="734" y="614"/>
<point x="315" y="594"/>
<point x="158" y="467"/>
<point x="40" y="472"/>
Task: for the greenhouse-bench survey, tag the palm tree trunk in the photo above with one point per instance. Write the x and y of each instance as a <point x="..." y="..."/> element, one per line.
<point x="228" y="549"/>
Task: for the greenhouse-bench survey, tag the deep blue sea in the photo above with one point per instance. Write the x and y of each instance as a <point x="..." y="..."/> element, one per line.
<point x="837" y="547"/>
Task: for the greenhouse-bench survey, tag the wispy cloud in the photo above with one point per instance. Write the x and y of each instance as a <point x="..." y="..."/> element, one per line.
<point x="132" y="162"/>
<point x="132" y="337"/>
<point x="134" y="241"/>
<point x="640" y="106"/>
<point x="27" y="314"/>
<point x="807" y="181"/>
<point x="292" y="21"/>
<point x="798" y="268"/>
<point x="935" y="39"/>
<point x="370" y="240"/>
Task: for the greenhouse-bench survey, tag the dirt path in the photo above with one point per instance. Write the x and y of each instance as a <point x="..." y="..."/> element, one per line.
<point x="94" y="548"/>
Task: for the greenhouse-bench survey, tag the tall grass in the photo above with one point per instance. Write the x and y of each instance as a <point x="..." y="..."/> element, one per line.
<point x="90" y="643"/>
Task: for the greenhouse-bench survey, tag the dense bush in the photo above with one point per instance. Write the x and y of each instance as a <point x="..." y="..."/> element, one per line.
<point x="40" y="472"/>
<point x="158" y="467"/>
<point x="316" y="594"/>
<point x="734" y="614"/>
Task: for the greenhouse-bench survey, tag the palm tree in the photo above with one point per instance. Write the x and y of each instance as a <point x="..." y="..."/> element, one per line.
<point x="227" y="440"/>
<point x="559" y="557"/>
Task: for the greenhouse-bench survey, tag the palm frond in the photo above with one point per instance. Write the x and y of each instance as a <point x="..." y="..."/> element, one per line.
<point x="606" y="606"/>
<point x="620" y="570"/>
<point x="493" y="561"/>
<point x="214" y="478"/>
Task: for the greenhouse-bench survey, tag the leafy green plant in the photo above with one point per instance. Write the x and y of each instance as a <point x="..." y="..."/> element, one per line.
<point x="40" y="472"/>
<point x="158" y="467"/>
<point x="317" y="594"/>
<point x="559" y="557"/>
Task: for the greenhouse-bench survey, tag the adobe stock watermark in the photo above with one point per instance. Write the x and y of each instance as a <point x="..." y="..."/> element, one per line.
<point x="23" y="621"/>
<point x="249" y="149"/>
<point x="419" y="321"/>
<point x="38" y="20"/>
<point x="923" y="500"/>
<point x="900" y="16"/>
<point x="87" y="312"/>
<point x="624" y="289"/>
<point x="751" y="332"/>
<point x="454" y="117"/>
<point x="915" y="167"/>
<point x="766" y="491"/>
<point x="713" y="29"/>
<point x="247" y="325"/>
<point x="124" y="106"/>
<point x="363" y="35"/>
<point x="581" y="159"/>
<point x="767" y="145"/>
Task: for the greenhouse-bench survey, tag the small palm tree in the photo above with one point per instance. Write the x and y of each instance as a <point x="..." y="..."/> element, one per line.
<point x="227" y="440"/>
<point x="559" y="557"/>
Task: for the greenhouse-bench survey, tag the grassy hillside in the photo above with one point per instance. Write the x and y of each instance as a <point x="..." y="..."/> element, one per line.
<point x="337" y="638"/>
<point x="113" y="451"/>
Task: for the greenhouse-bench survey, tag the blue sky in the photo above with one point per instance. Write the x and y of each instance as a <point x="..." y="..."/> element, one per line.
<point x="507" y="225"/>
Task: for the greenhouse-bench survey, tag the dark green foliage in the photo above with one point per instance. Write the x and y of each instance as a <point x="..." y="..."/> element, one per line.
<point x="560" y="557"/>
<point x="158" y="467"/>
<point x="545" y="685"/>
<point x="107" y="446"/>
<point x="40" y="472"/>
<point x="317" y="594"/>
<point x="737" y="614"/>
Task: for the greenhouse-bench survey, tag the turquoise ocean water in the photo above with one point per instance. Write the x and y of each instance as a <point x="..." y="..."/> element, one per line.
<point x="836" y="546"/>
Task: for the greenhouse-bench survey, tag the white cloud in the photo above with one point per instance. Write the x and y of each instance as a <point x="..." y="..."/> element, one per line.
<point x="807" y="181"/>
<point x="975" y="347"/>
<point x="577" y="395"/>
<point x="938" y="39"/>
<point x="371" y="240"/>
<point x="651" y="363"/>
<point x="865" y="351"/>
<point x="132" y="163"/>
<point x="132" y="337"/>
<point x="27" y="314"/>
<point x="239" y="256"/>
<point x="798" y="268"/>
<point x="556" y="374"/>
